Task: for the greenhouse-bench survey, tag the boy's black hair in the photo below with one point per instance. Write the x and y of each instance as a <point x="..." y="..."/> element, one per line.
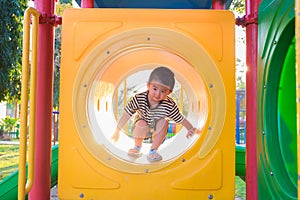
<point x="163" y="75"/>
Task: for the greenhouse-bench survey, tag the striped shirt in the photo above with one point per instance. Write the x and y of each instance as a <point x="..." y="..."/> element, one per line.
<point x="167" y="108"/>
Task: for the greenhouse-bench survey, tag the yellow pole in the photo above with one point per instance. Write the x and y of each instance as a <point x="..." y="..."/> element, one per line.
<point x="23" y="186"/>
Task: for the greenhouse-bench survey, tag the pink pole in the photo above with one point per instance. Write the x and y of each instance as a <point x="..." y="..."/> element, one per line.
<point x="251" y="100"/>
<point x="42" y="178"/>
<point x="87" y="3"/>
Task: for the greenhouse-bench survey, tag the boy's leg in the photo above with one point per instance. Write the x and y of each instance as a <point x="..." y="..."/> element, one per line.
<point x="160" y="133"/>
<point x="139" y="131"/>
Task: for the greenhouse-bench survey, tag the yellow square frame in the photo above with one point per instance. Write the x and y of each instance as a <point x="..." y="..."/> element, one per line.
<point x="202" y="38"/>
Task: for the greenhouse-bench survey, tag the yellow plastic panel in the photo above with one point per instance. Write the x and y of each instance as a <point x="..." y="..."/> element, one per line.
<point x="101" y="49"/>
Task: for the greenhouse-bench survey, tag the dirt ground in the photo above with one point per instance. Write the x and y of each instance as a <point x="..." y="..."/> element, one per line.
<point x="53" y="193"/>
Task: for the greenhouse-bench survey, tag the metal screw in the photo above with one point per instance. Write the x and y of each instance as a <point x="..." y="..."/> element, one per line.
<point x="81" y="195"/>
<point x="275" y="42"/>
<point x="210" y="196"/>
<point x="183" y="160"/>
<point x="211" y="85"/>
<point x="271" y="173"/>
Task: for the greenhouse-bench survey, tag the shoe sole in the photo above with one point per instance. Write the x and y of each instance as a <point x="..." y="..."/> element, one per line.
<point x="154" y="160"/>
<point x="136" y="155"/>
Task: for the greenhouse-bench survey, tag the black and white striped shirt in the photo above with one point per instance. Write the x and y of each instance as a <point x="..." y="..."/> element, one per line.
<point x="167" y="108"/>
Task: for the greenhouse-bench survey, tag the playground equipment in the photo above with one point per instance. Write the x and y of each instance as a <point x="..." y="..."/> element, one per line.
<point x="101" y="49"/>
<point x="276" y="128"/>
<point x="9" y="185"/>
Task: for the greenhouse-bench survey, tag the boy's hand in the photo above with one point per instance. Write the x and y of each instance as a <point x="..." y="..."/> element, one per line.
<point x="115" y="136"/>
<point x="191" y="132"/>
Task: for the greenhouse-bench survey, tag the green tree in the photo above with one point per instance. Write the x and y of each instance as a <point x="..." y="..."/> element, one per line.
<point x="238" y="6"/>
<point x="11" y="38"/>
<point x="9" y="123"/>
<point x="11" y="25"/>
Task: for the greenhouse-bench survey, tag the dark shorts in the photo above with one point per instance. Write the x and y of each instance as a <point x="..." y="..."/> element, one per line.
<point x="151" y="128"/>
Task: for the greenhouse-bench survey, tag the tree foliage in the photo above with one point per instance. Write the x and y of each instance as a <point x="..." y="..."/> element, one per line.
<point x="238" y="6"/>
<point x="11" y="25"/>
<point x="11" y="38"/>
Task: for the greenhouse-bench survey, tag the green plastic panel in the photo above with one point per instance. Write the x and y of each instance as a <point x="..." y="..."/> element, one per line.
<point x="277" y="132"/>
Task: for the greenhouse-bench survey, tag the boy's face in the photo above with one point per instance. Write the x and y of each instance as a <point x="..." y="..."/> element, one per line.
<point x="157" y="91"/>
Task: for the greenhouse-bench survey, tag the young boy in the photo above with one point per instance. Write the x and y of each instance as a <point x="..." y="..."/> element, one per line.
<point x="154" y="108"/>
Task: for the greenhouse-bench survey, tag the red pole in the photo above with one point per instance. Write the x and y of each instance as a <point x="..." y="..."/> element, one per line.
<point x="87" y="3"/>
<point x="218" y="5"/>
<point x="42" y="178"/>
<point x="251" y="100"/>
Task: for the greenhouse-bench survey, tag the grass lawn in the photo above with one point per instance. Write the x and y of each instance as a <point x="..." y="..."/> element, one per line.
<point x="9" y="159"/>
<point x="240" y="188"/>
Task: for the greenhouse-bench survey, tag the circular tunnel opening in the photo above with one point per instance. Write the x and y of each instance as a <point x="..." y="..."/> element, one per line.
<point x="280" y="149"/>
<point x="287" y="128"/>
<point x="108" y="98"/>
<point x="123" y="63"/>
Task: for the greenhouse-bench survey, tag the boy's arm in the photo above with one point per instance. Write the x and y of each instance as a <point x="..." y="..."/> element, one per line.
<point x="187" y="124"/>
<point x="122" y="121"/>
<point x="190" y="128"/>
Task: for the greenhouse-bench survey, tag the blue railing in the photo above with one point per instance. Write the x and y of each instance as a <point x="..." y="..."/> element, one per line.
<point x="240" y="117"/>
